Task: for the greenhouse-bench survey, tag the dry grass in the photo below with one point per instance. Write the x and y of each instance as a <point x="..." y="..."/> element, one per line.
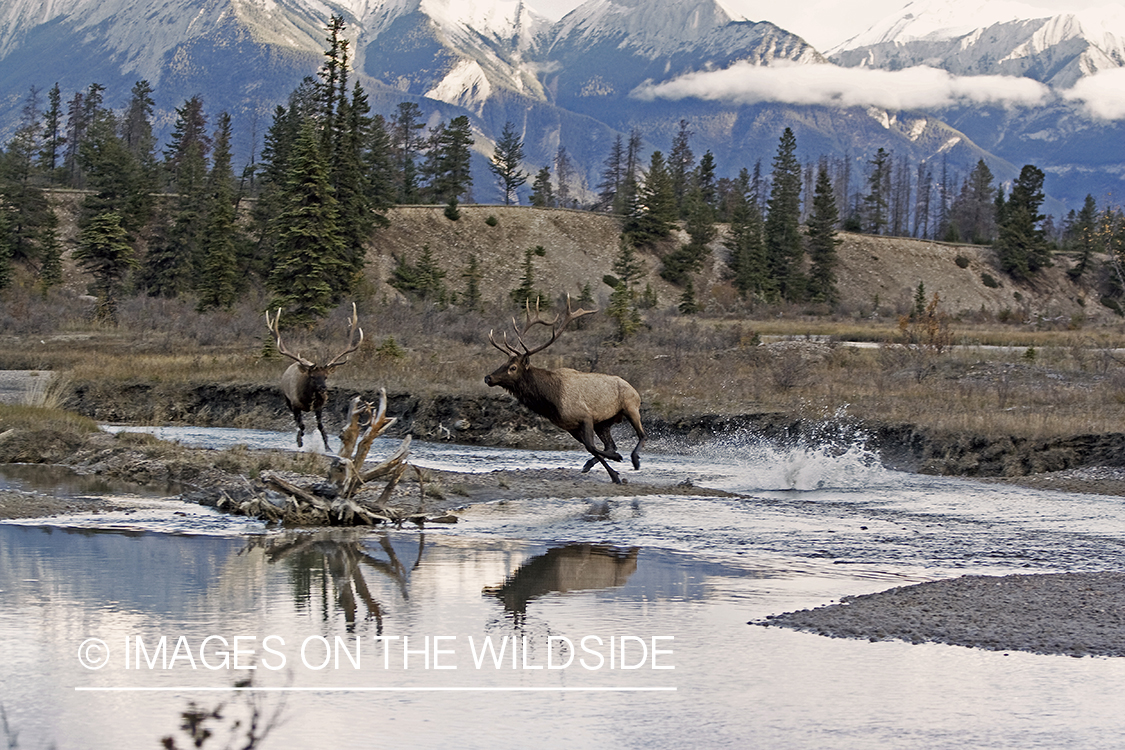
<point x="1041" y="382"/>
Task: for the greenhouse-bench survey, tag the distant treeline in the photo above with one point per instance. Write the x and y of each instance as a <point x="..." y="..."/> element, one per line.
<point x="329" y="169"/>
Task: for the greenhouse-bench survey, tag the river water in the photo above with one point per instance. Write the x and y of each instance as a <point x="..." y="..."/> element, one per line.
<point x="577" y="623"/>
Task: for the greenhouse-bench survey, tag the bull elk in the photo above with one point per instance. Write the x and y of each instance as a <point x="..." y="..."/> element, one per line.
<point x="305" y="383"/>
<point x="584" y="404"/>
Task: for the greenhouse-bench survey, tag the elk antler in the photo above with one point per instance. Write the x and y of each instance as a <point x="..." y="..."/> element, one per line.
<point x="353" y="326"/>
<point x="273" y="325"/>
<point x="557" y="325"/>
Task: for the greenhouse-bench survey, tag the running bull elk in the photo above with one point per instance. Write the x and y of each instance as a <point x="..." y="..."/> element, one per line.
<point x="584" y="404"/>
<point x="305" y="383"/>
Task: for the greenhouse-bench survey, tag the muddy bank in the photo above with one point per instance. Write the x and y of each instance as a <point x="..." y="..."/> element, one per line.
<point x="496" y="420"/>
<point x="1077" y="614"/>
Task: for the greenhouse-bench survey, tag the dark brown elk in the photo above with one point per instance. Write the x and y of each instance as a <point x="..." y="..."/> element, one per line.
<point x="585" y="404"/>
<point x="305" y="383"/>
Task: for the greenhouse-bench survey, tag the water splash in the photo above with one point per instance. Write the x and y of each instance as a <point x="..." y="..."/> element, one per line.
<point x="828" y="453"/>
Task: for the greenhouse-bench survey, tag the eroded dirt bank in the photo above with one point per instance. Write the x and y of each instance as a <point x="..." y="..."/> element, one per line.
<point x="498" y="420"/>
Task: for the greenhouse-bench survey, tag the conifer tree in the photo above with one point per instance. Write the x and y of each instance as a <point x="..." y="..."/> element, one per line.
<point x="1021" y="247"/>
<point x="307" y="259"/>
<point x="681" y="163"/>
<point x="104" y="252"/>
<point x="452" y="177"/>
<point x="822" y="240"/>
<point x="54" y="138"/>
<point x="1082" y="233"/>
<point x="406" y="144"/>
<point x="542" y="194"/>
<point x="747" y="251"/>
<point x="564" y="172"/>
<point x="878" y="184"/>
<point x="174" y="261"/>
<point x="219" y="275"/>
<point x="784" y="248"/>
<point x="471" y="299"/>
<point x="507" y="159"/>
<point x="658" y="204"/>
<point x="526" y="293"/>
<point x="613" y="174"/>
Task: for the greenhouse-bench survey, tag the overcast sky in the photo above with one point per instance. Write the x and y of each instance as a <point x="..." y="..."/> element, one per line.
<point x="822" y="23"/>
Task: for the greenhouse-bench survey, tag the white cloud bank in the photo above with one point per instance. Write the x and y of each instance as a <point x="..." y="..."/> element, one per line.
<point x="831" y="85"/>
<point x="1102" y="94"/>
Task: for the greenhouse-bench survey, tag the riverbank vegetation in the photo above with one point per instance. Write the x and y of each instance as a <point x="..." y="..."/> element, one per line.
<point x="980" y="377"/>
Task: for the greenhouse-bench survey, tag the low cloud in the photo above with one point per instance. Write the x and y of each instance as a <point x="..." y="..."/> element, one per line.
<point x="831" y="85"/>
<point x="1102" y="95"/>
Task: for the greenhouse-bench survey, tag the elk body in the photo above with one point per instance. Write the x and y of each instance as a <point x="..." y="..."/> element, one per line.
<point x="585" y="404"/>
<point x="305" y="383"/>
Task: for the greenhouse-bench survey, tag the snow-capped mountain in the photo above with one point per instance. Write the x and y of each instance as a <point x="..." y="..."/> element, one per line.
<point x="571" y="83"/>
<point x="995" y="38"/>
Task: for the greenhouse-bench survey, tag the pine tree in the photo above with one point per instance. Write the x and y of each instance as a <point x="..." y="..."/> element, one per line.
<point x="104" y="252"/>
<point x="526" y="293"/>
<point x="406" y="143"/>
<point x="688" y="304"/>
<point x="507" y="159"/>
<point x="613" y="174"/>
<point x="878" y="187"/>
<point x="112" y="172"/>
<point x="307" y="260"/>
<point x="542" y="194"/>
<point x="784" y="247"/>
<point x="174" y="261"/>
<point x="681" y="163"/>
<point x="564" y="172"/>
<point x="1021" y="247"/>
<point x="658" y="202"/>
<point x="1082" y="240"/>
<point x="747" y="250"/>
<point x="219" y="276"/>
<point x="471" y="299"/>
<point x="822" y="240"/>
<point x="53" y="136"/>
<point x="452" y="177"/>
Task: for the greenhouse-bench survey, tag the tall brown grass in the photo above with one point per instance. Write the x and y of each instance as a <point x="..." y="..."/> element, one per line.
<point x="1042" y="382"/>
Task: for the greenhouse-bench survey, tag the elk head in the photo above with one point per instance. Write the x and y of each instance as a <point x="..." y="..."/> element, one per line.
<point x="305" y="383"/>
<point x="515" y="371"/>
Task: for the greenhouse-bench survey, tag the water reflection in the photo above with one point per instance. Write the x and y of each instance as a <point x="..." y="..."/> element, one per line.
<point x="574" y="567"/>
<point x="63" y="481"/>
<point x="328" y="564"/>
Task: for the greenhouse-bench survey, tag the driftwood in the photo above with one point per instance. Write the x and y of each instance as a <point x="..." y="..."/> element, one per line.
<point x="346" y="498"/>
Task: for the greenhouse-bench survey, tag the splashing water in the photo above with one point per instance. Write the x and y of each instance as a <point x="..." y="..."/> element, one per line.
<point x="830" y="453"/>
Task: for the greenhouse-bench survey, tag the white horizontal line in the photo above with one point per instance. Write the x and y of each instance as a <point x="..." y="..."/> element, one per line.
<point x="187" y="688"/>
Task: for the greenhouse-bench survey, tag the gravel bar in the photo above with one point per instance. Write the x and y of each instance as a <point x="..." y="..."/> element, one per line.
<point x="1076" y="614"/>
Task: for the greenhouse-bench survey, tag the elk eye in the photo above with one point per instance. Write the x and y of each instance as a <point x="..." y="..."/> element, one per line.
<point x="512" y="369"/>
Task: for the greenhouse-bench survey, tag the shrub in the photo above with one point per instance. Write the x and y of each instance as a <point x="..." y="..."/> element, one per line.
<point x="961" y="261"/>
<point x="988" y="280"/>
<point x="491" y="221"/>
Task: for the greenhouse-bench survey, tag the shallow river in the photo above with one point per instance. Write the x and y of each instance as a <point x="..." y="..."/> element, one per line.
<point x="552" y="623"/>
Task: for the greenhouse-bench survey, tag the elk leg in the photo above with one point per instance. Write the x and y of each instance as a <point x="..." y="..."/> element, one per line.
<point x="585" y="435"/>
<point x="320" y="426"/>
<point x="635" y="420"/>
<point x="300" y="427"/>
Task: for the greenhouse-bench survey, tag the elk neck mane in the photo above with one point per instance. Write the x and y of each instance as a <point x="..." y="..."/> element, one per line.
<point x="539" y="390"/>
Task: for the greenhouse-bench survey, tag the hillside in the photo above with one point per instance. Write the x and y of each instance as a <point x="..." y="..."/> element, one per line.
<point x="877" y="275"/>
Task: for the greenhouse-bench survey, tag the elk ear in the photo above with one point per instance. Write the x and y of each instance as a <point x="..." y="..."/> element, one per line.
<point x="304" y="368"/>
